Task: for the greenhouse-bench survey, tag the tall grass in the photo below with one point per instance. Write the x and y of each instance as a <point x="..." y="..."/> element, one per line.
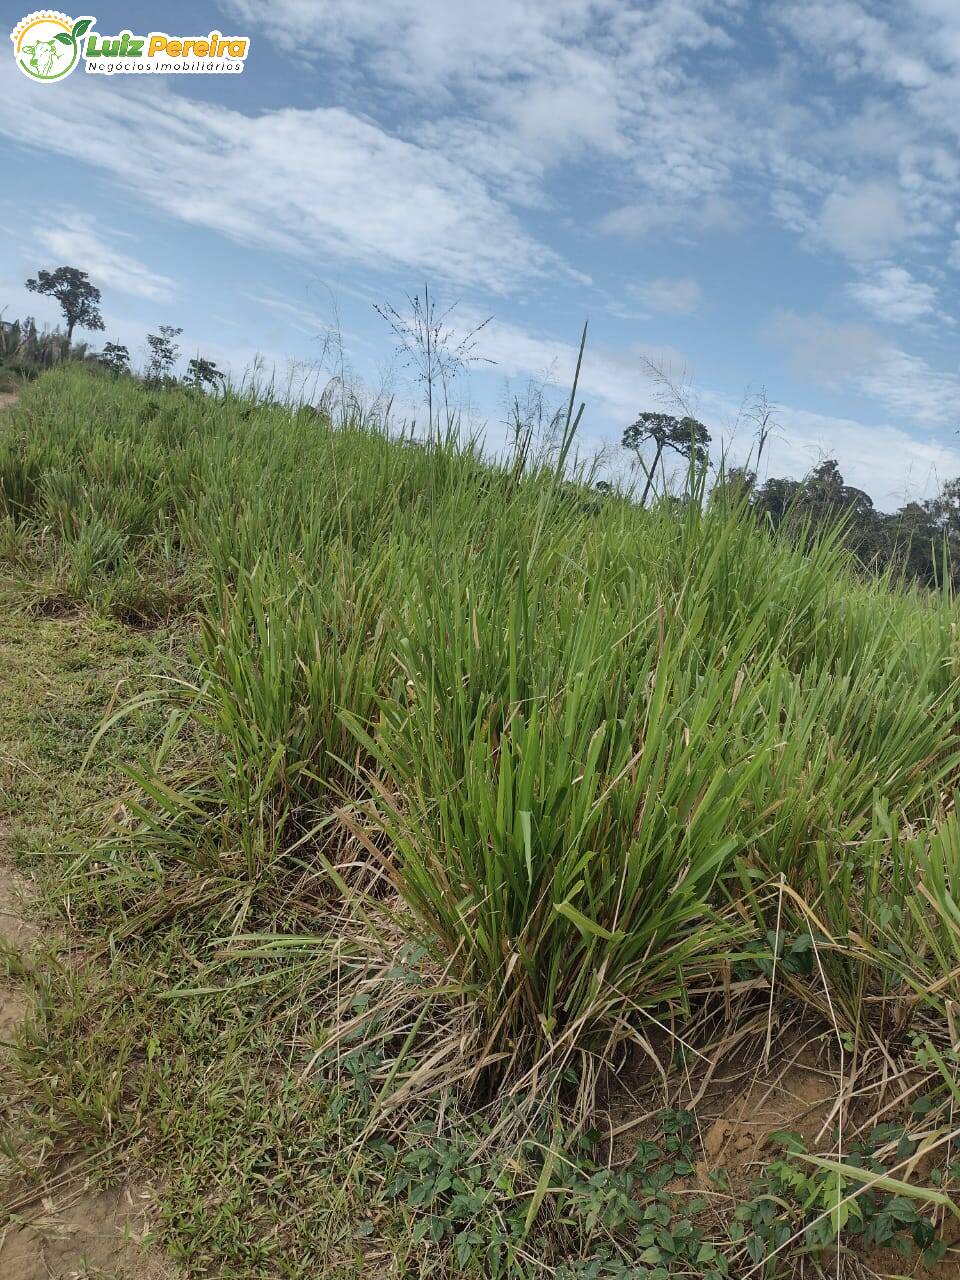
<point x="595" y="751"/>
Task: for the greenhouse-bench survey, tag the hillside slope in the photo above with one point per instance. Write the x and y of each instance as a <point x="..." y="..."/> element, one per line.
<point x="490" y="857"/>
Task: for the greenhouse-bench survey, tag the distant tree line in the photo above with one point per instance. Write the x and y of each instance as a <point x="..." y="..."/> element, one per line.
<point x="920" y="541"/>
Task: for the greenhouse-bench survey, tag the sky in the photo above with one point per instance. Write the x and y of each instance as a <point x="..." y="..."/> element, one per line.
<point x="746" y="194"/>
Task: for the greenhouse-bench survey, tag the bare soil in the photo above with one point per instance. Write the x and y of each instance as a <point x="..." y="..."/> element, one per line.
<point x="83" y="1235"/>
<point x="15" y="931"/>
<point x="737" y="1111"/>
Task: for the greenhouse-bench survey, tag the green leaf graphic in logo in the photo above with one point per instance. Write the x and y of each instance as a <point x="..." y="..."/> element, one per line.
<point x="81" y="27"/>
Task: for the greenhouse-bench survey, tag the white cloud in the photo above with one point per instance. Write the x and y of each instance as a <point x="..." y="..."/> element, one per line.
<point x="540" y="84"/>
<point x="564" y="120"/>
<point x="896" y="105"/>
<point x="910" y="51"/>
<point x="74" y="239"/>
<point x="714" y="213"/>
<point x="859" y="358"/>
<point x="913" y="390"/>
<point x="856" y="41"/>
<point x="670" y="97"/>
<point x="533" y="67"/>
<point x="893" y="295"/>
<point x="680" y="297"/>
<point x="476" y="116"/>
<point x="309" y="182"/>
<point x="491" y="153"/>
<point x="865" y="221"/>
<point x="828" y="353"/>
<point x="429" y="46"/>
<point x="301" y="318"/>
<point x="617" y="380"/>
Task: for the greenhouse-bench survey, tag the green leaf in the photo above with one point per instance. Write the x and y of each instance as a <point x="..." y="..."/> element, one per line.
<point x="542" y="1187"/>
<point x="882" y="1181"/>
<point x="840" y="1211"/>
<point x="756" y="1248"/>
<point x="924" y="1233"/>
<point x="584" y="924"/>
<point x="63" y="37"/>
<point x="788" y="1138"/>
<point x="81" y="26"/>
<point x="464" y="1249"/>
<point x="935" y="1253"/>
<point x="524" y="816"/>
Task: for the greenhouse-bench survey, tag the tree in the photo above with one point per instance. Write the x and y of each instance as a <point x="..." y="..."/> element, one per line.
<point x="735" y="484"/>
<point x="775" y="498"/>
<point x="79" y="299"/>
<point x="827" y="499"/>
<point x="685" y="436"/>
<point x="163" y="353"/>
<point x="820" y="502"/>
<point x="944" y="509"/>
<point x="919" y="544"/>
<point x="116" y="358"/>
<point x="203" y="373"/>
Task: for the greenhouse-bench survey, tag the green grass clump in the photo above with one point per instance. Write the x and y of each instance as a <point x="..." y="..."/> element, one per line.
<point x="572" y="723"/>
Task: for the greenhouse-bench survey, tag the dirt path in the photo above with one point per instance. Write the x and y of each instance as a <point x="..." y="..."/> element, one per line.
<point x="15" y="931"/>
<point x="76" y="1232"/>
<point x="83" y="1235"/>
<point x="7" y="399"/>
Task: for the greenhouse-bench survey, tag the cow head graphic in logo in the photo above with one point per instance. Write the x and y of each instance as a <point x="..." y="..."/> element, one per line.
<point x="46" y="44"/>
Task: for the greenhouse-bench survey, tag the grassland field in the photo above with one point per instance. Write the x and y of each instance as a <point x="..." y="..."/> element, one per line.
<point x="435" y="867"/>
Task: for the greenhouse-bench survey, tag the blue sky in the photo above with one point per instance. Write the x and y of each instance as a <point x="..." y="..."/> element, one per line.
<point x="744" y="193"/>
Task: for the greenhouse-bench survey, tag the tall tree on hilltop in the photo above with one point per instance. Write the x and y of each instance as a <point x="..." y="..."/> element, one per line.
<point x="684" y="436"/>
<point x="79" y="299"/>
